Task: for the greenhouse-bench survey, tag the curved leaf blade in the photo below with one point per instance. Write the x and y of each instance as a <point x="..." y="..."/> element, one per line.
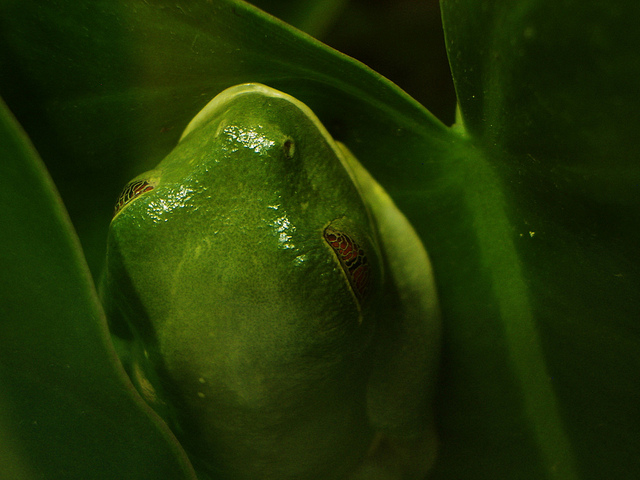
<point x="68" y="410"/>
<point x="547" y="96"/>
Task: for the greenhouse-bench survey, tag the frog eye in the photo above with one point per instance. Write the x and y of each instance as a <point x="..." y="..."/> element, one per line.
<point x="353" y="260"/>
<point x="131" y="191"/>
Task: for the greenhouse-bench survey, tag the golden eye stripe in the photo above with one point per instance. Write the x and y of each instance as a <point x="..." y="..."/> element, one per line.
<point x="132" y="190"/>
<point x="353" y="260"/>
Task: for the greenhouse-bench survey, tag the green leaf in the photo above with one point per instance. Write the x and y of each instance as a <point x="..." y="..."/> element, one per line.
<point x="67" y="409"/>
<point x="311" y="16"/>
<point x="528" y="207"/>
<point x="548" y="97"/>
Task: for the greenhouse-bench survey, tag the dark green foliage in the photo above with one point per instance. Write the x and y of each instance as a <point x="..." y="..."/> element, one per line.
<point x="529" y="208"/>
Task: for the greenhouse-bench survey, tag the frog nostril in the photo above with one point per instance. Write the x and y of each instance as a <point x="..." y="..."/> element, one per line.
<point x="289" y="148"/>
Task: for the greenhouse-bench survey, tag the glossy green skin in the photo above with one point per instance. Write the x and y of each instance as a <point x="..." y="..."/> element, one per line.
<point x="236" y="322"/>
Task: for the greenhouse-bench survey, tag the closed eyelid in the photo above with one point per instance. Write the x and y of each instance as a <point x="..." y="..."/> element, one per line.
<point x="130" y="192"/>
<point x="353" y="259"/>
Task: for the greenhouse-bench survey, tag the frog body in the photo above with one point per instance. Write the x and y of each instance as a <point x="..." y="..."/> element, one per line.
<point x="272" y="304"/>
